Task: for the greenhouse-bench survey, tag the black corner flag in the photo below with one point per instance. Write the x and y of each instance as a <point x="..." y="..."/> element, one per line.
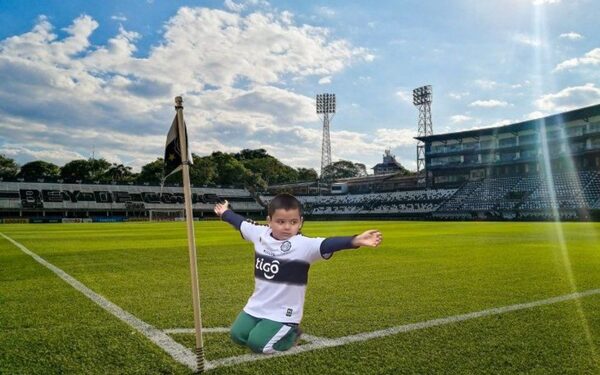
<point x="173" y="159"/>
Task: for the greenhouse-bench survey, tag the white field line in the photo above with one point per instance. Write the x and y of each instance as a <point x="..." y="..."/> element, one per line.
<point x="179" y="352"/>
<point x="329" y="343"/>
<point x="311" y="338"/>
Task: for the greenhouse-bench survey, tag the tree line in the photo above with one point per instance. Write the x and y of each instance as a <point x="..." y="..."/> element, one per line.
<point x="249" y="168"/>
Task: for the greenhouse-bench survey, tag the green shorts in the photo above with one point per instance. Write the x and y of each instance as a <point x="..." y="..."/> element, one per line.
<point x="263" y="335"/>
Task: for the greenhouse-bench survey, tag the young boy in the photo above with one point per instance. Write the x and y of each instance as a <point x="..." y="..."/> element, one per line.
<point x="282" y="256"/>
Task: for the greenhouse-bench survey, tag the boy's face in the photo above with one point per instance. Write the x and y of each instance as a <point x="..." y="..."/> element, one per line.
<point x="285" y="223"/>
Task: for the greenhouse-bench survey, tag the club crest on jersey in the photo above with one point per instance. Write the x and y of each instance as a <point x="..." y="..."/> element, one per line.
<point x="269" y="269"/>
<point x="286" y="246"/>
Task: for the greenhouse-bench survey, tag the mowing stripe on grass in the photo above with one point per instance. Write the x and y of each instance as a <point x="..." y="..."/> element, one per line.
<point x="179" y="352"/>
<point x="328" y="343"/>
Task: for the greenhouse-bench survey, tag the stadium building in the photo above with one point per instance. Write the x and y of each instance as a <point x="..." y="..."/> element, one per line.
<point x="58" y="202"/>
<point x="564" y="142"/>
<point x="543" y="169"/>
<point x="388" y="165"/>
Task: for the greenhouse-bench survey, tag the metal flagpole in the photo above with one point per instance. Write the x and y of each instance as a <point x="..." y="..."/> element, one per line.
<point x="187" y="192"/>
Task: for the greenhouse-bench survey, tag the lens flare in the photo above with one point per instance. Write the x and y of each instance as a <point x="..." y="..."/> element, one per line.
<point x="557" y="147"/>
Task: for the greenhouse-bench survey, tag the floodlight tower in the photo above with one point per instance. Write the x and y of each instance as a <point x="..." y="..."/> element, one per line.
<point x="325" y="106"/>
<point x="422" y="100"/>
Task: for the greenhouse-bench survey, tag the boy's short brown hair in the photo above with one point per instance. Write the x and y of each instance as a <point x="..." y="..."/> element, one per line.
<point x="284" y="201"/>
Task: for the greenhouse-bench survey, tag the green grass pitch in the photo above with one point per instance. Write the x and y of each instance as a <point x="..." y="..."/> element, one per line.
<point x="422" y="271"/>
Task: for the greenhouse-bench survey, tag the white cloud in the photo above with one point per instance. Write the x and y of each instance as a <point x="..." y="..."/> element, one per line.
<point x="534" y="115"/>
<point x="244" y="5"/>
<point x="458" y="95"/>
<point x="486" y="84"/>
<point x="119" y="17"/>
<point x="542" y="2"/>
<point x="571" y="36"/>
<point x="457" y="119"/>
<point x="405" y="96"/>
<point x="324" y="11"/>
<point x="58" y="156"/>
<point x="489" y="103"/>
<point x="591" y="58"/>
<point x="233" y="6"/>
<point x="287" y="17"/>
<point x="527" y="40"/>
<point x="500" y="123"/>
<point x="493" y="124"/>
<point x="569" y="98"/>
<point x="325" y="80"/>
<point x="232" y="70"/>
<point x="369" y="57"/>
<point x="395" y="137"/>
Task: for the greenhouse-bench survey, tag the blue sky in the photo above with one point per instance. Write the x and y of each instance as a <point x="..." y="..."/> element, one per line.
<point x="78" y="77"/>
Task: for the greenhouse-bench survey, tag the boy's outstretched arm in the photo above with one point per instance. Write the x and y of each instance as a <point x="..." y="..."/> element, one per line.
<point x="370" y="238"/>
<point x="226" y="214"/>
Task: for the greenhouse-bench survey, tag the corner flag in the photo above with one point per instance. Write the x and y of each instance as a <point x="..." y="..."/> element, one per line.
<point x="173" y="159"/>
<point x="177" y="158"/>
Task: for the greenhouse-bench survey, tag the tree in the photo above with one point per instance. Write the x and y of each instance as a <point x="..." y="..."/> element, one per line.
<point x="76" y="170"/>
<point x="247" y="154"/>
<point x="39" y="169"/>
<point x="118" y="173"/>
<point x="230" y="170"/>
<point x="361" y="169"/>
<point x="203" y="171"/>
<point x="268" y="167"/>
<point x="307" y="174"/>
<point x="253" y="182"/>
<point x="343" y="169"/>
<point x="272" y="170"/>
<point x="153" y="172"/>
<point x="405" y="172"/>
<point x="98" y="169"/>
<point x="8" y="167"/>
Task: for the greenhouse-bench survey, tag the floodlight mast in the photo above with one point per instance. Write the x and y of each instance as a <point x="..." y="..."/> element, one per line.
<point x="325" y="106"/>
<point x="422" y="100"/>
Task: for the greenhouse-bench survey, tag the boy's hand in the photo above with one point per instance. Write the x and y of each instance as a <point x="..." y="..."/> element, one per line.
<point x="370" y="238"/>
<point x="220" y="208"/>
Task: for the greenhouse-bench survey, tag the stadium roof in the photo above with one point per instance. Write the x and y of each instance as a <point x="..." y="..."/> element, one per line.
<point x="576" y="114"/>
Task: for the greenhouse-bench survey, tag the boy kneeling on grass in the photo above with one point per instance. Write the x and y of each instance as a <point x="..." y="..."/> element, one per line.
<point x="282" y="256"/>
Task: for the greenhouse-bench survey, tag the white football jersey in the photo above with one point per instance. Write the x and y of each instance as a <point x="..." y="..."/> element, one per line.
<point x="280" y="273"/>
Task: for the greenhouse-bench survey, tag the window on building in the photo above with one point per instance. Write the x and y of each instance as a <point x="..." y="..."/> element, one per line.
<point x="575" y="131"/>
<point x="507" y="142"/>
<point x="528" y="138"/>
<point x="487" y="144"/>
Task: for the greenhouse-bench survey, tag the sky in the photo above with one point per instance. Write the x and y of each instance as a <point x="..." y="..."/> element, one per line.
<point x="81" y="79"/>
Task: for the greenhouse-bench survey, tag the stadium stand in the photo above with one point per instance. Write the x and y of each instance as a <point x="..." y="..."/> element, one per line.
<point x="28" y="199"/>
<point x="401" y="202"/>
<point x="565" y="194"/>
<point x="531" y="196"/>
